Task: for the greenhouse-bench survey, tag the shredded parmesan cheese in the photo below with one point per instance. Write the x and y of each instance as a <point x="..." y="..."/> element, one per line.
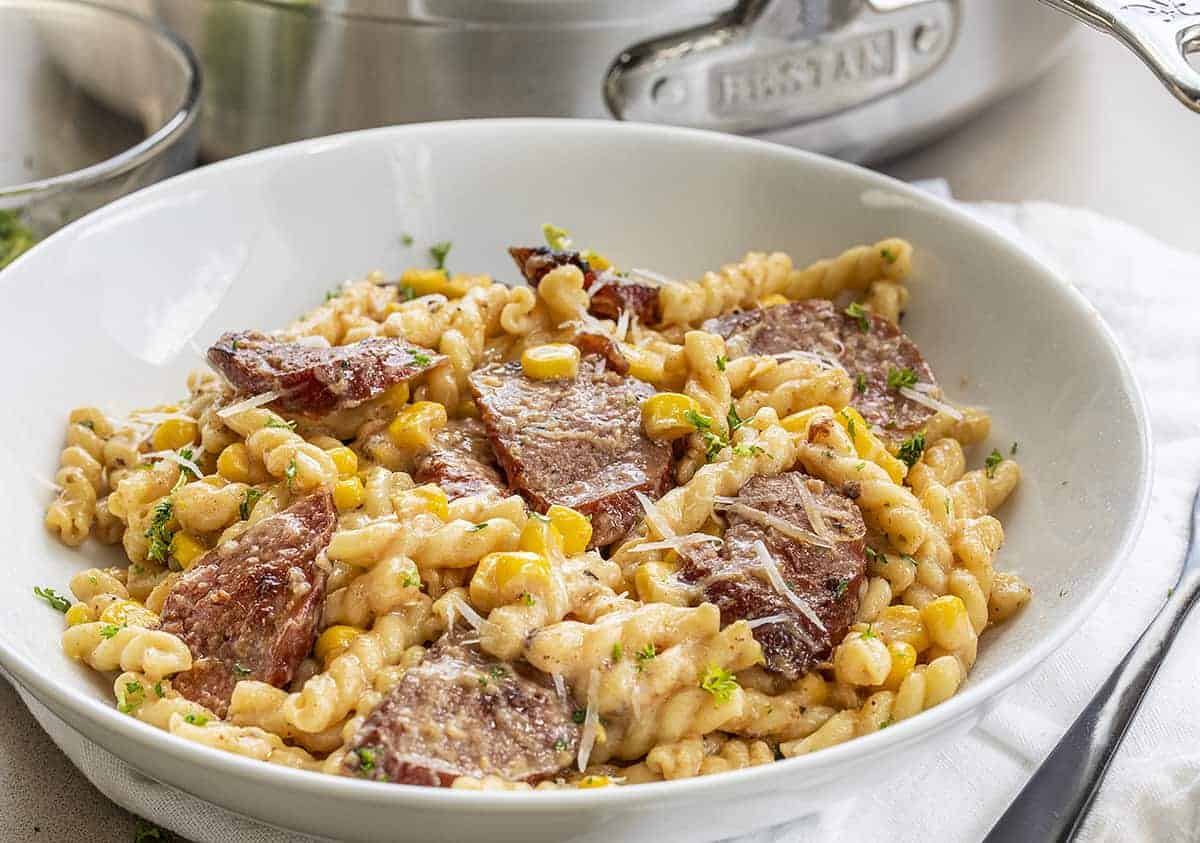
<point x="776" y="523"/>
<point x="771" y="567"/>
<point x="591" y="720"/>
<point x="146" y="417"/>
<point x="812" y="357"/>
<point x="176" y="458"/>
<point x="931" y="402"/>
<point x="560" y="687"/>
<point x="769" y="619"/>
<point x="655" y="518"/>
<point x="248" y="404"/>
<point x="656" y="279"/>
<point x="472" y="617"/>
<point x="679" y="541"/>
<point x="815" y="519"/>
<point x="313" y="341"/>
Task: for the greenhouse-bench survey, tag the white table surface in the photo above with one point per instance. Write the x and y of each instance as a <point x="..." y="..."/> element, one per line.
<point x="1097" y="131"/>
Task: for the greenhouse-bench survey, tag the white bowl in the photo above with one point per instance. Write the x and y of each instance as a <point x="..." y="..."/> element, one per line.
<point x="105" y="312"/>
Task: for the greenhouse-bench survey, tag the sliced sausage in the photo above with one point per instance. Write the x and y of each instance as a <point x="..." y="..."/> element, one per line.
<point x="314" y="379"/>
<point x="576" y="442"/>
<point x="610" y="293"/>
<point x="827" y="579"/>
<point x="461" y="461"/>
<point x="460" y="713"/>
<point x="818" y="325"/>
<point x="248" y="609"/>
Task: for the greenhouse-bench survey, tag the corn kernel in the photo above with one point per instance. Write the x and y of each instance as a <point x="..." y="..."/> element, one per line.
<point x="345" y="460"/>
<point x="129" y="613"/>
<point x="78" y="613"/>
<point x="542" y="537"/>
<point x="234" y="463"/>
<point x="948" y="623"/>
<point x="396" y="396"/>
<point x="553" y="360"/>
<point x="596" y="261"/>
<point x="173" y="434"/>
<point x="416" y="425"/>
<point x="772" y="300"/>
<point x="594" y="781"/>
<point x="645" y="365"/>
<point x="904" y="659"/>
<point x="348" y="494"/>
<point x="214" y="480"/>
<point x="575" y="527"/>
<point x="508" y="565"/>
<point x="505" y="575"/>
<point x="427" y="498"/>
<point x="186" y="549"/>
<point x="669" y="415"/>
<point x="799" y="422"/>
<point x="867" y="445"/>
<point x="424" y="282"/>
<point x="902" y="623"/>
<point x="334" y="641"/>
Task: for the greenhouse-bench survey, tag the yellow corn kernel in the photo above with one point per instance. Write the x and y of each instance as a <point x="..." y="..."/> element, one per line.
<point x="348" y="494"/>
<point x="645" y="365"/>
<point x="575" y="527"/>
<point x="594" y="781"/>
<point x="345" y="460"/>
<point x="416" y="424"/>
<point x="214" y="480"/>
<point x="508" y="566"/>
<point x="902" y="623"/>
<point x="669" y="415"/>
<point x="186" y="549"/>
<point x="542" y="537"/>
<point x="234" y="463"/>
<point x="948" y="622"/>
<point x="596" y="261"/>
<point x="553" y="360"/>
<point x="424" y="282"/>
<point x="129" y="613"/>
<point x="78" y="613"/>
<point x="334" y="641"/>
<point x="799" y="422"/>
<point x="904" y="659"/>
<point x="772" y="300"/>
<point x="867" y="444"/>
<point x="396" y="396"/>
<point x="173" y="434"/>
<point x="427" y="498"/>
<point x="504" y="576"/>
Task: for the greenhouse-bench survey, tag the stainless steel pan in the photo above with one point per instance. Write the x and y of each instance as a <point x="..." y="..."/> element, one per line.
<point x="861" y="79"/>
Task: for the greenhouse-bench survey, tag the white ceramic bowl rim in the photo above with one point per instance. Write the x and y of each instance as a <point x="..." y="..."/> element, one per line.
<point x="88" y="707"/>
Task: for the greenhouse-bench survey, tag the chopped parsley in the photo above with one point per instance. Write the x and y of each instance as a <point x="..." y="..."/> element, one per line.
<point x="240" y="669"/>
<point x="735" y="421"/>
<point x="159" y="533"/>
<point x="158" y="690"/>
<point x="989" y="465"/>
<point x="89" y="424"/>
<point x="497" y="671"/>
<point x="132" y="689"/>
<point x="888" y="255"/>
<point x="869" y="633"/>
<point x="898" y="378"/>
<point x="887" y="723"/>
<point x="908" y="559"/>
<point x="839" y="586"/>
<point x="248" y="501"/>
<point x="722" y="361"/>
<point x="713" y="445"/>
<point x="558" y="239"/>
<point x="911" y="448"/>
<point x="578" y="715"/>
<point x="482" y="525"/>
<point x="419" y="357"/>
<point x="406" y="239"/>
<point x="527" y="598"/>
<point x="147" y="832"/>
<point x="289" y="473"/>
<point x="860" y="382"/>
<point x="109" y="630"/>
<point x="196" y="719"/>
<point x="274" y="421"/>
<point x="617" y="652"/>
<point x="186" y="453"/>
<point x="850" y="425"/>
<point x="332" y="294"/>
<point x="560" y="745"/>
<point x="411" y="580"/>
<point x="407" y="293"/>
<point x="859" y="313"/>
<point x="698" y="421"/>
<point x="874" y="555"/>
<point x="718" y="682"/>
<point x="644" y="655"/>
<point x="438" y="252"/>
<point x="53" y="599"/>
<point x="747" y="450"/>
<point x="366" y="759"/>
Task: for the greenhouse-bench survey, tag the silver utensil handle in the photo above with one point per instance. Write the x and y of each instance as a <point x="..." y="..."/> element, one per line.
<point x="1161" y="32"/>
<point x="1054" y="802"/>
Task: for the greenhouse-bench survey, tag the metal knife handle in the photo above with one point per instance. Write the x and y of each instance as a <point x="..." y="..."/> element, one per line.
<point x="768" y="64"/>
<point x="1052" y="805"/>
<point x="1161" y="32"/>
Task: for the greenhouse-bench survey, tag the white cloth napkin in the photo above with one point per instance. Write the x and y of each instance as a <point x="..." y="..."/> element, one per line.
<point x="1148" y="292"/>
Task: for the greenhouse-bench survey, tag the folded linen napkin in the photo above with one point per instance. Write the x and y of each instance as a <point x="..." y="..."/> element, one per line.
<point x="1147" y="292"/>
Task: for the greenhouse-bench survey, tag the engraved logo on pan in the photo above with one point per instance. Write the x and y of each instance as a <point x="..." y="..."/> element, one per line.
<point x="829" y="73"/>
<point x="1165" y="10"/>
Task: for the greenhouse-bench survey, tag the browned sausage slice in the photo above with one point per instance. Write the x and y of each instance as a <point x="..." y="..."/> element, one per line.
<point x="818" y="325"/>
<point x="460" y="461"/>
<point x="460" y="713"/>
<point x="610" y="293"/>
<point x="826" y="579"/>
<point x="576" y="442"/>
<point x="315" y="380"/>
<point x="248" y="609"/>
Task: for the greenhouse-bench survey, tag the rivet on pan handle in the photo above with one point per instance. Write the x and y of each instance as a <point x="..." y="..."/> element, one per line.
<point x="1161" y="32"/>
<point x="769" y="64"/>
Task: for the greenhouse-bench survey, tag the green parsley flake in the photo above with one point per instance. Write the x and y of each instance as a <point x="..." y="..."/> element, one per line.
<point x="713" y="445"/>
<point x="527" y="598"/>
<point x="860" y="314"/>
<point x="887" y="723"/>
<point x="617" y="652"/>
<point x="558" y="239"/>
<point x="480" y="526"/>
<point x="53" y="599"/>
<point x="839" y="586"/>
<point x="89" y="424"/>
<point x="874" y="555"/>
<point x="158" y="690"/>
<point x="332" y="294"/>
<point x="366" y="759"/>
<point x="860" y="465"/>
<point x="869" y="633"/>
<point x="248" y="501"/>
<point x="747" y="450"/>
<point x="240" y="669"/>
<point x="196" y="719"/>
<point x="406" y="239"/>
<point x="735" y="421"/>
<point x="110" y="630"/>
<point x="438" y="252"/>
<point x="908" y="559"/>
<point x="407" y="293"/>
<point x="411" y="580"/>
<point x="419" y="357"/>
<point x="993" y="459"/>
<point x="698" y="420"/>
<point x="718" y="682"/>
<point x="722" y="362"/>
<point x="644" y="655"/>
<point x="289" y="473"/>
<point x="911" y="449"/>
<point x="888" y="255"/>
<point x="898" y="378"/>
<point x="850" y="425"/>
<point x="578" y="715"/>
<point x="275" y="421"/>
<point x="497" y="671"/>
<point x="560" y="745"/>
<point x="860" y="382"/>
<point x="159" y="533"/>
<point x="148" y="833"/>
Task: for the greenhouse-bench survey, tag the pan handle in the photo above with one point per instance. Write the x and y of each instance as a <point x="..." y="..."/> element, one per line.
<point x="1161" y="32"/>
<point x="769" y="64"/>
